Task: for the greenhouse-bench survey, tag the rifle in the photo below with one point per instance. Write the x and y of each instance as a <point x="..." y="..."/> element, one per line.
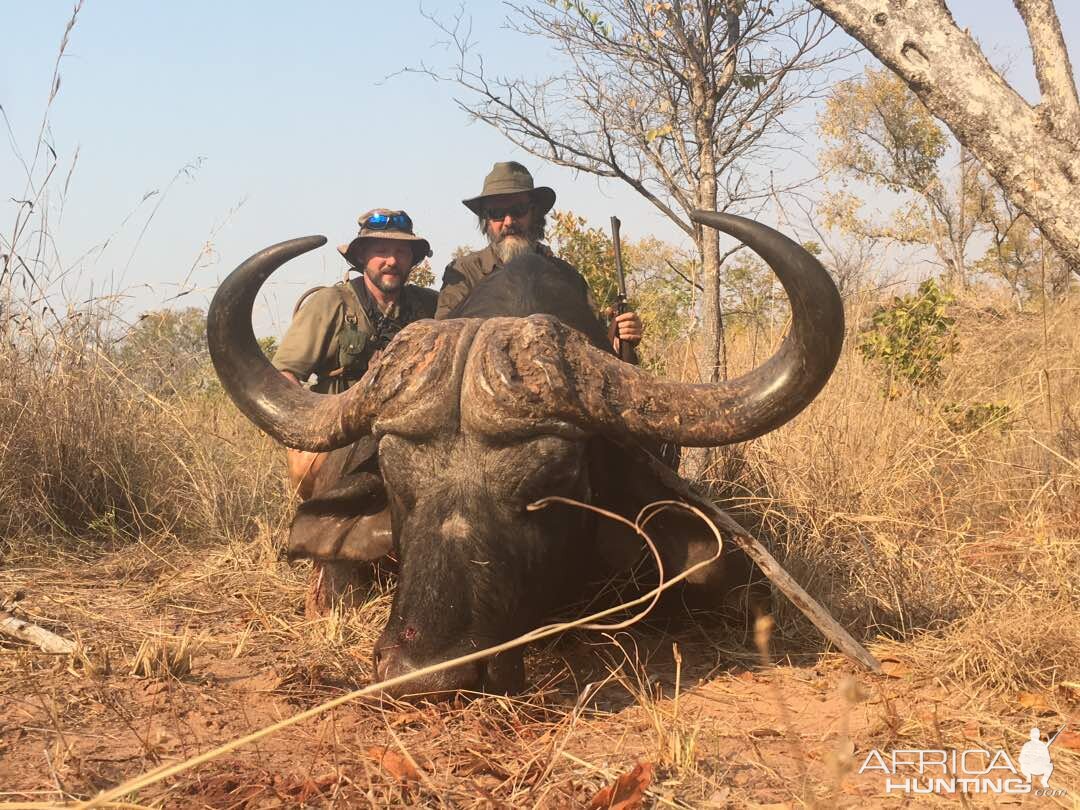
<point x="626" y="351"/>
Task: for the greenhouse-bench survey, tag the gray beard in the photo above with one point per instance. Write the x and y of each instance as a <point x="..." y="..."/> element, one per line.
<point x="512" y="246"/>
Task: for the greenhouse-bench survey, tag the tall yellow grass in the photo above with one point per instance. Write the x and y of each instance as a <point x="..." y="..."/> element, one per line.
<point x="964" y="542"/>
<point x="89" y="454"/>
<point x="962" y="538"/>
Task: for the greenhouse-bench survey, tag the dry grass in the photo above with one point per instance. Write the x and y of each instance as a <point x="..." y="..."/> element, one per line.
<point x="90" y="455"/>
<point x="953" y="552"/>
<point x="165" y="657"/>
<point x="963" y="543"/>
<point x="145" y="518"/>
<point x="146" y="521"/>
<point x="957" y="547"/>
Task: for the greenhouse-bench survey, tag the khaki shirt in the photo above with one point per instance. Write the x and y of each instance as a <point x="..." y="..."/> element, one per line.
<point x="310" y="345"/>
<point x="461" y="275"/>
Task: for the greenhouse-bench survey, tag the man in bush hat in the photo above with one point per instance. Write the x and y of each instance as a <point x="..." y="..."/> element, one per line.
<point x="335" y="333"/>
<point x="336" y="330"/>
<point x="512" y="215"/>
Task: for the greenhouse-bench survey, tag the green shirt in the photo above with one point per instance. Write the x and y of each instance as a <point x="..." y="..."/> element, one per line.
<point x="312" y="344"/>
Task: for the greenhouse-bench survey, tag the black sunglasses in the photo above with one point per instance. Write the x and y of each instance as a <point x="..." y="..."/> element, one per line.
<point x="515" y="211"/>
<point x="388" y="222"/>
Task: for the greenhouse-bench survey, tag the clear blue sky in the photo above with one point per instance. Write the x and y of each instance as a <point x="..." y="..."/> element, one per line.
<point x="283" y="108"/>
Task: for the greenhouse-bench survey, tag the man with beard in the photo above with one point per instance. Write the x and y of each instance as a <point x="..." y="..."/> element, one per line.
<point x="512" y="215"/>
<point x="337" y="330"/>
<point x="335" y="333"/>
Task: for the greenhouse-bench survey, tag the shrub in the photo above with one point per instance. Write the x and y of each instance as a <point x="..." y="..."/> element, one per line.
<point x="910" y="338"/>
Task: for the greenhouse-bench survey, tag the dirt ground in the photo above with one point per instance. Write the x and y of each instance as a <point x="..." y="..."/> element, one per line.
<point x="719" y="729"/>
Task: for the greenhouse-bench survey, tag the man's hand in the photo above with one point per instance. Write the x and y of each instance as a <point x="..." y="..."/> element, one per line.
<point x="628" y="327"/>
<point x="302" y="466"/>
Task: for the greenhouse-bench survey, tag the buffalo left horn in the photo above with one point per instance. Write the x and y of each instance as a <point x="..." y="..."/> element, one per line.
<point x="292" y="415"/>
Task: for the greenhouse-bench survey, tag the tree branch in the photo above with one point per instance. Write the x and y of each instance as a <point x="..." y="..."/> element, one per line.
<point x="1052" y="67"/>
<point x="944" y="66"/>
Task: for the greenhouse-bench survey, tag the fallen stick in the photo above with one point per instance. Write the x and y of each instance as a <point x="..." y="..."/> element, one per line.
<point x="784" y="582"/>
<point x="25" y="631"/>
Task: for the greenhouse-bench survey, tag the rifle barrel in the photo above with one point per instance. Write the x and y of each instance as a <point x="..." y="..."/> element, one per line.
<point x="620" y="278"/>
<point x="626" y="351"/>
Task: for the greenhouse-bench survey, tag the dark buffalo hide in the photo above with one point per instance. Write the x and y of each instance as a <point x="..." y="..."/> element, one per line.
<point x="515" y="400"/>
<point x="347" y="517"/>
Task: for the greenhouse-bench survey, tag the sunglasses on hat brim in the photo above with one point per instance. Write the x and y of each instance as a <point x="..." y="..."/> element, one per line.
<point x="388" y="222"/>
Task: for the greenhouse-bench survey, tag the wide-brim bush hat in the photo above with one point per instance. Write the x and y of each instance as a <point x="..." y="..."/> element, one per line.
<point x="511" y="178"/>
<point x="386" y="223"/>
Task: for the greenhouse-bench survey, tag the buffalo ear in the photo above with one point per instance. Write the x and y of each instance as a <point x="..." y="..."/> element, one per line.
<point x="347" y="516"/>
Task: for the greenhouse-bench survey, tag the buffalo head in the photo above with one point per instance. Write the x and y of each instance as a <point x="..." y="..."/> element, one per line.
<point x="478" y="418"/>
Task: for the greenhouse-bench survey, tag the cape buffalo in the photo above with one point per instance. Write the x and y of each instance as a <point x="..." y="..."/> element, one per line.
<point x="477" y="417"/>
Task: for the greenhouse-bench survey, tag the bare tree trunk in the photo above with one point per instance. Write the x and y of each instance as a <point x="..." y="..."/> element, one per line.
<point x="1031" y="151"/>
<point x="713" y="356"/>
<point x="713" y="353"/>
<point x="712" y="348"/>
<point x="960" y="238"/>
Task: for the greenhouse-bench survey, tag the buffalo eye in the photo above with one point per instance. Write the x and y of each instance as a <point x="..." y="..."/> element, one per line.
<point x="555" y="477"/>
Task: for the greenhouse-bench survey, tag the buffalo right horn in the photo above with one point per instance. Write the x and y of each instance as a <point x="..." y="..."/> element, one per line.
<point x="292" y="415"/>
<point x="546" y="370"/>
<point x="762" y="399"/>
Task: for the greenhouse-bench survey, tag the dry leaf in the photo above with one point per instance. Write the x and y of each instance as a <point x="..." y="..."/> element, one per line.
<point x="972" y="730"/>
<point x="892" y="668"/>
<point x="1035" y="701"/>
<point x="762" y="733"/>
<point x="1070" y="690"/>
<point x="719" y="798"/>
<point x="303" y="789"/>
<point x="407" y="718"/>
<point x="394" y="764"/>
<point x="626" y="792"/>
<point x="1068" y="739"/>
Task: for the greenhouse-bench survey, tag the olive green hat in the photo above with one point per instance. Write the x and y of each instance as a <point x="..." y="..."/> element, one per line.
<point x="386" y="223"/>
<point x="511" y="178"/>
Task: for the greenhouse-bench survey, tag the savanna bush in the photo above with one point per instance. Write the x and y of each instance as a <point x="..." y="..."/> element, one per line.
<point x="913" y="511"/>
<point x="106" y="439"/>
